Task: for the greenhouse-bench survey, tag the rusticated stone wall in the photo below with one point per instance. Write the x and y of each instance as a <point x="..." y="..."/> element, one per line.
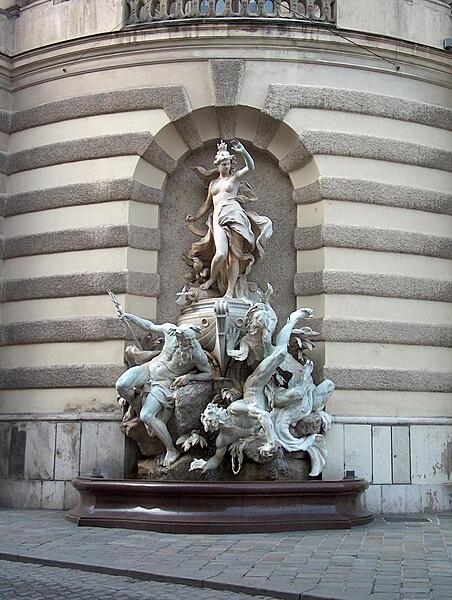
<point x="92" y="140"/>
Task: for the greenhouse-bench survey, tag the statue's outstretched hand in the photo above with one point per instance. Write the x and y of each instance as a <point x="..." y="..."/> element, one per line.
<point x="267" y="449"/>
<point x="180" y="382"/>
<point x="237" y="146"/>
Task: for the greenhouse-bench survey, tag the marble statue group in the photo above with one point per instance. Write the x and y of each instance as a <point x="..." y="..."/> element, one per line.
<point x="224" y="394"/>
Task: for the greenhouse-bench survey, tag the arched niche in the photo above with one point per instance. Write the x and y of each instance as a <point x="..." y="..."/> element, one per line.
<point x="183" y="194"/>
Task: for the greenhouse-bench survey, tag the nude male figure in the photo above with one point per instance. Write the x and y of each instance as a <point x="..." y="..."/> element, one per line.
<point x="181" y="361"/>
<point x="246" y="416"/>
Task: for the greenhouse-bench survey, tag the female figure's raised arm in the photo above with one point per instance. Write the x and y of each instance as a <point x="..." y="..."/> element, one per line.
<point x="249" y="162"/>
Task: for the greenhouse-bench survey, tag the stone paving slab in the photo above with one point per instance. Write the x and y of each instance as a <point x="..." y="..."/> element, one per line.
<point x="404" y="560"/>
<point x="33" y="582"/>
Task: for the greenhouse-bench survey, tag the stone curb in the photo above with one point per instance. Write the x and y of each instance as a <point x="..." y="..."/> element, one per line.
<point x="166" y="578"/>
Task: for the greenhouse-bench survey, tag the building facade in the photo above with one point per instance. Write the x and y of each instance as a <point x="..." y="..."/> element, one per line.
<point x="346" y="105"/>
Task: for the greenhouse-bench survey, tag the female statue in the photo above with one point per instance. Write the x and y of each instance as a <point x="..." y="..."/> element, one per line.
<point x="236" y="235"/>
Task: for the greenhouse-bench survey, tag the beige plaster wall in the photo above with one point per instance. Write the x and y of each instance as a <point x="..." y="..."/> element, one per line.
<point x="42" y="22"/>
<point x="94" y="177"/>
<point x="423" y="21"/>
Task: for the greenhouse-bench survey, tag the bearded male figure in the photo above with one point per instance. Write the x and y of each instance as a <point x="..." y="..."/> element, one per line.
<point x="181" y="361"/>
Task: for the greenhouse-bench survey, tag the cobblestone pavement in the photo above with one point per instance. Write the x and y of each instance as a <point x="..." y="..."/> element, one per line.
<point x="386" y="560"/>
<point x="36" y="582"/>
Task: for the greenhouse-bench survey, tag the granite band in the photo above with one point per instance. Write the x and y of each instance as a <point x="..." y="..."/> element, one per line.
<point x="60" y="416"/>
<point x="172" y="99"/>
<point x="374" y="192"/>
<point x="67" y="376"/>
<point x="364" y="146"/>
<point x="76" y="329"/>
<point x="90" y="238"/>
<point x="389" y="379"/>
<point x="370" y="238"/>
<point x="382" y="332"/>
<point x="282" y="97"/>
<point x="5" y="117"/>
<point x="372" y="284"/>
<point x="105" y="146"/>
<point x="81" y="284"/>
<point x="4" y="163"/>
<point x="107" y="190"/>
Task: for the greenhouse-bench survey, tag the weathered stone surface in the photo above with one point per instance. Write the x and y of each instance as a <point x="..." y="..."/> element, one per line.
<point x="81" y="284"/>
<point x="63" y="330"/>
<point x="172" y="98"/>
<point x="5" y="441"/>
<point x="390" y="379"/>
<point x="374" y="192"/>
<point x="53" y="494"/>
<point x="307" y="426"/>
<point x="190" y="402"/>
<point x="78" y="194"/>
<point x="102" y="446"/>
<point x="136" y="431"/>
<point x="21" y="493"/>
<point x="39" y="450"/>
<point x="140" y="144"/>
<point x="281" y="97"/>
<point x="372" y="284"/>
<point x="372" y="238"/>
<point x="226" y="76"/>
<point x="67" y="376"/>
<point x="251" y="451"/>
<point x="151" y="468"/>
<point x="90" y="238"/>
<point x="67" y="452"/>
<point x="16" y="451"/>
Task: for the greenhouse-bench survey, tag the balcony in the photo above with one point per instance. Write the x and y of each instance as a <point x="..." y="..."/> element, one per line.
<point x="151" y="11"/>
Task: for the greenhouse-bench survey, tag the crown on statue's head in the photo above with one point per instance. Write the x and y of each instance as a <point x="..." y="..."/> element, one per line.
<point x="222" y="153"/>
<point x="222" y="146"/>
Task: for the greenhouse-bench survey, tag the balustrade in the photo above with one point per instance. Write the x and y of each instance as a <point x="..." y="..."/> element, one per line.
<point x="148" y="11"/>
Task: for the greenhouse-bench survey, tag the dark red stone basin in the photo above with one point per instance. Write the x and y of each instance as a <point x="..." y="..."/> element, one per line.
<point x="207" y="507"/>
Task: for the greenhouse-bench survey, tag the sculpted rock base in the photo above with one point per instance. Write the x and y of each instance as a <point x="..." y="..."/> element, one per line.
<point x="280" y="468"/>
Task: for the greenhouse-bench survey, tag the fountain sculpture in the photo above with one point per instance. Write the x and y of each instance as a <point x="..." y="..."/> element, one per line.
<point x="224" y="408"/>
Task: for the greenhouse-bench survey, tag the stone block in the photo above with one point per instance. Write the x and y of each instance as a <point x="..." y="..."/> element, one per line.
<point x="20" y="493"/>
<point x="400" y="499"/>
<point x="71" y="496"/>
<point x="53" y="494"/>
<point x="5" y="440"/>
<point x="401" y="465"/>
<point x="102" y="446"/>
<point x="334" y="468"/>
<point x="434" y="498"/>
<point x="16" y="451"/>
<point x="431" y="454"/>
<point x="358" y="450"/>
<point x="67" y="454"/>
<point x="381" y="454"/>
<point x="40" y="450"/>
<point x="372" y="499"/>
